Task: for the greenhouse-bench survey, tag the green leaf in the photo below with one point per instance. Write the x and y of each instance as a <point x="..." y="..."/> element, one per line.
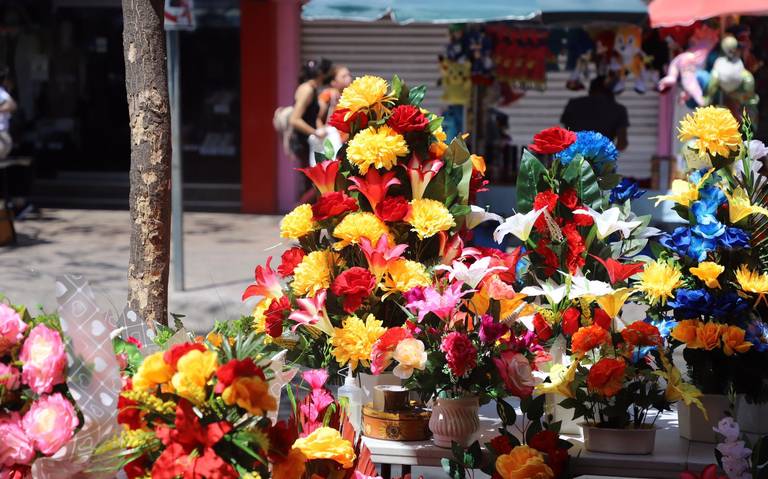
<point x="531" y="172"/>
<point x="474" y="455"/>
<point x="534" y="428"/>
<point x="535" y="407"/>
<point x="458" y="451"/>
<point x="506" y="412"/>
<point x="609" y="181"/>
<point x="580" y="175"/>
<point x="462" y="187"/>
<point x="457" y="152"/>
<point x="452" y="468"/>
<point x="459" y="210"/>
<point x="416" y="95"/>
<point x="328" y="149"/>
<point x="435" y="123"/>
<point x="397" y="86"/>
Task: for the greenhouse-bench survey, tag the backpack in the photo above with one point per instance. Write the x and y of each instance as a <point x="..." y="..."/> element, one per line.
<point x="281" y="120"/>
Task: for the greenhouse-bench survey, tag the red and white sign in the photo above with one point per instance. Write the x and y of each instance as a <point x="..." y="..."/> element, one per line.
<point x="179" y="15"/>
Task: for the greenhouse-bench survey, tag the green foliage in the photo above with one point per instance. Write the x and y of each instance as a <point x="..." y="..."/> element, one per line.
<point x="416" y="95"/>
<point x="132" y="354"/>
<point x="581" y="177"/>
<point x="532" y="171"/>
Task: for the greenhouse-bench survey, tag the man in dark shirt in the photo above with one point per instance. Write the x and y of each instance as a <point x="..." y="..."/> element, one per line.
<point x="598" y="112"/>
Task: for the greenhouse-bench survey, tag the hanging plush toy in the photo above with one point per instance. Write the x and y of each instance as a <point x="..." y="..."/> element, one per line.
<point x="687" y="66"/>
<point x="455" y="78"/>
<point x="628" y="44"/>
<point x="479" y="47"/>
<point x="730" y="83"/>
<point x="580" y="50"/>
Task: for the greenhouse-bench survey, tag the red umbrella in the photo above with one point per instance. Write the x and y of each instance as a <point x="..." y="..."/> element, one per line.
<point x="668" y="13"/>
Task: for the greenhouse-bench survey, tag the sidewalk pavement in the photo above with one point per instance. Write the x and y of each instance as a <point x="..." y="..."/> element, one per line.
<point x="221" y="251"/>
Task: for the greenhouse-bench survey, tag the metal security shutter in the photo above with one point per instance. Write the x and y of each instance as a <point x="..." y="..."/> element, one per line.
<point x="539" y="110"/>
<point x="380" y="48"/>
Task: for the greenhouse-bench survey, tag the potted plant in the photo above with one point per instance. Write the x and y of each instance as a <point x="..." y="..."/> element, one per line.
<point x="709" y="277"/>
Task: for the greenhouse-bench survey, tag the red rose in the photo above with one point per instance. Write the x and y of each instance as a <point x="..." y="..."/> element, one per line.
<point x="407" y="118"/>
<point x="354" y="284"/>
<point x="571" y="318"/>
<point x="275" y="314"/>
<point x="544" y="441"/>
<point x="333" y="204"/>
<point x="337" y="121"/>
<point x="235" y="368"/>
<point x="601" y="318"/>
<point x="541" y="327"/>
<point x="392" y="209"/>
<point x="552" y="140"/>
<point x="289" y="260"/>
<point x="641" y="333"/>
<point x="501" y="445"/>
<point x="172" y="356"/>
<point x="569" y="198"/>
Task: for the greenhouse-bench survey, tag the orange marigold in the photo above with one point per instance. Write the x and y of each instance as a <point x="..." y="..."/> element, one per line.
<point x="641" y="333"/>
<point x="588" y="338"/>
<point x="606" y="377"/>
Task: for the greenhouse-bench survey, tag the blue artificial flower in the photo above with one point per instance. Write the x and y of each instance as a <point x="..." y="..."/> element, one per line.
<point x="708" y="227"/>
<point x="700" y="246"/>
<point x="523" y="264"/>
<point x="757" y="334"/>
<point x="728" y="305"/>
<point x="685" y="243"/>
<point x="665" y="326"/>
<point x="691" y="303"/>
<point x="711" y="198"/>
<point x="697" y="175"/>
<point x="593" y="146"/>
<point x="626" y="190"/>
<point x="734" y="238"/>
<point x="640" y="353"/>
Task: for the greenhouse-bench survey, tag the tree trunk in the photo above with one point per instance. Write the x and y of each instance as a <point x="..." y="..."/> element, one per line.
<point x="146" y="83"/>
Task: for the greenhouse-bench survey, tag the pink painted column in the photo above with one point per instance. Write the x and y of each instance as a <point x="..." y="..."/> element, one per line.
<point x="288" y="46"/>
<point x="665" y="119"/>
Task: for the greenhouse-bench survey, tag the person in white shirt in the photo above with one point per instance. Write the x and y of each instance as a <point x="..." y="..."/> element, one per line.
<point x="7" y="107"/>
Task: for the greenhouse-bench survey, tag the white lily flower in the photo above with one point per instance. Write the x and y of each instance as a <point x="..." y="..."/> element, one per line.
<point x="479" y="215"/>
<point x="581" y="286"/>
<point x="608" y="222"/>
<point x="472" y="275"/>
<point x="549" y="289"/>
<point x="757" y="149"/>
<point x="518" y="224"/>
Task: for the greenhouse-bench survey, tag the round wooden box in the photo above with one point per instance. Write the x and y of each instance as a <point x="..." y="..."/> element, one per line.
<point x="408" y="425"/>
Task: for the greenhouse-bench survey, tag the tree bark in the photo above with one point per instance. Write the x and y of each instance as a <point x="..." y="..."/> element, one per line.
<point x="146" y="81"/>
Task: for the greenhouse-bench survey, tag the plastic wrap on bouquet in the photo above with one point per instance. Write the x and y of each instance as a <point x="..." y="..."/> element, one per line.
<point x="133" y="326"/>
<point x="93" y="380"/>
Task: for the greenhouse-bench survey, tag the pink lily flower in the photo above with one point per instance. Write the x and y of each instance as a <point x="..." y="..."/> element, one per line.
<point x="267" y="283"/>
<point x="441" y="305"/>
<point x="374" y="186"/>
<point x="421" y="173"/>
<point x="450" y="247"/>
<point x="382" y="255"/>
<point x="323" y="175"/>
<point x="312" y="313"/>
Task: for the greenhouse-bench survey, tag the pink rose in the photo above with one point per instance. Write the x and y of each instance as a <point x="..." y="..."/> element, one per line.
<point x="44" y="359"/>
<point x="11" y="328"/>
<point x="9" y="378"/>
<point x="50" y="423"/>
<point x="460" y="353"/>
<point x="515" y="370"/>
<point x="15" y="447"/>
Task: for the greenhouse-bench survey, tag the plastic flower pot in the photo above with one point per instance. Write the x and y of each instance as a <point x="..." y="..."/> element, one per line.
<point x="619" y="441"/>
<point x="454" y="420"/>
<point x="692" y="423"/>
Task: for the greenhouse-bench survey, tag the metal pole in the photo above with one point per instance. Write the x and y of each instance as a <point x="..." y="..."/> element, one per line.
<point x="177" y="192"/>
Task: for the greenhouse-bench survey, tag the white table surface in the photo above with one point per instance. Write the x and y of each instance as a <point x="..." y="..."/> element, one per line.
<point x="671" y="456"/>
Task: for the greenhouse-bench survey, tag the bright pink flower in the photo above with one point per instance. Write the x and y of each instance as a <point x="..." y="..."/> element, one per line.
<point x="15" y="446"/>
<point x="315" y="404"/>
<point x="44" y="358"/>
<point x="374" y="186"/>
<point x="11" y="328"/>
<point x="421" y="173"/>
<point x="442" y="305"/>
<point x="450" y="247"/>
<point x="9" y="379"/>
<point x="460" y="353"/>
<point x="316" y="378"/>
<point x="323" y="175"/>
<point x="491" y="330"/>
<point x="50" y="423"/>
<point x="312" y="313"/>
<point x="382" y="255"/>
<point x="384" y="348"/>
<point x="515" y="370"/>
<point x="267" y="283"/>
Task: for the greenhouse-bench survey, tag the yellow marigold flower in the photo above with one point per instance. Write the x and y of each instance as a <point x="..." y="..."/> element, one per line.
<point x="298" y="223"/>
<point x="376" y="147"/>
<point x="685" y="332"/>
<point x="708" y="335"/>
<point x="658" y="280"/>
<point x="327" y="443"/>
<point x="358" y="225"/>
<point x="192" y="373"/>
<point x="708" y="272"/>
<point x="365" y="93"/>
<point x="429" y="217"/>
<point x="739" y="206"/>
<point x="353" y="342"/>
<point x="291" y="466"/>
<point x="314" y="272"/>
<point x="250" y="393"/>
<point x="523" y="462"/>
<point x="753" y="282"/>
<point x="560" y="380"/>
<point x="259" y="316"/>
<point x="154" y="371"/>
<point x="733" y="340"/>
<point x="713" y="129"/>
<point x="404" y="275"/>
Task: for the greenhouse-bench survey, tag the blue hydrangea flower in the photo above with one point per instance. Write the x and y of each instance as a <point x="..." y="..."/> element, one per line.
<point x="593" y="146"/>
<point x="734" y="238"/>
<point x="691" y="303"/>
<point x="626" y="190"/>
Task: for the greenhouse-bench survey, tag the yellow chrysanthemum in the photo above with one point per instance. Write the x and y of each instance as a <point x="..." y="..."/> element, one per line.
<point x="739" y="206"/>
<point x="259" y="316"/>
<point x="658" y="280"/>
<point x="404" y="275"/>
<point x="365" y="93"/>
<point x="192" y="373"/>
<point x="713" y="129"/>
<point x="376" y="147"/>
<point x="708" y="272"/>
<point x="684" y="192"/>
<point x="359" y="225"/>
<point x="429" y="217"/>
<point x="314" y="272"/>
<point x="327" y="443"/>
<point x="353" y="342"/>
<point x="298" y="223"/>
<point x="753" y="282"/>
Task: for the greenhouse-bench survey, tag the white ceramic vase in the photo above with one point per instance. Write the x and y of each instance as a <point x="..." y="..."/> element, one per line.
<point x="619" y="441"/>
<point x="752" y="418"/>
<point x="692" y="423"/>
<point x="454" y="420"/>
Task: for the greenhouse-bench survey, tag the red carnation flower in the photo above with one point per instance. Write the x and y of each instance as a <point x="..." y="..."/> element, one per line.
<point x="551" y="261"/>
<point x="393" y="208"/>
<point x="289" y="260"/>
<point x="236" y="368"/>
<point x="545" y="200"/>
<point x="337" y="120"/>
<point x="460" y="353"/>
<point x="582" y="220"/>
<point x="407" y="118"/>
<point x="333" y="204"/>
<point x="552" y="140"/>
<point x="275" y="314"/>
<point x="569" y="198"/>
<point x="172" y="356"/>
<point x="571" y="318"/>
<point x="576" y="247"/>
<point x="354" y="284"/>
<point x="541" y="327"/>
<point x="601" y="318"/>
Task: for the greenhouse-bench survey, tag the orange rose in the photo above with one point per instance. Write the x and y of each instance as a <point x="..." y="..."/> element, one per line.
<point x="523" y="462"/>
<point x="641" y="333"/>
<point x="733" y="341"/>
<point x="606" y="377"/>
<point x="708" y="335"/>
<point x="588" y="338"/>
<point x="685" y="332"/>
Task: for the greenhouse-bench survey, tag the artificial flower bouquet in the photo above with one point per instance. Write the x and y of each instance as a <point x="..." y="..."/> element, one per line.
<point x="709" y="280"/>
<point x="394" y="202"/>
